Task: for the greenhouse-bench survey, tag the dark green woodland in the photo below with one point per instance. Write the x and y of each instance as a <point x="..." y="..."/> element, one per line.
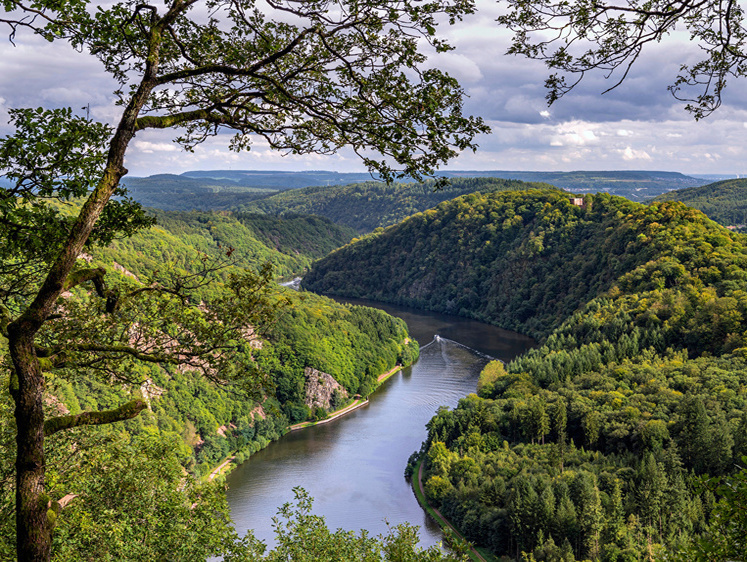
<point x="595" y="444"/>
<point x="129" y="478"/>
<point x="619" y="438"/>
<point x="723" y="201"/>
<point x="370" y="205"/>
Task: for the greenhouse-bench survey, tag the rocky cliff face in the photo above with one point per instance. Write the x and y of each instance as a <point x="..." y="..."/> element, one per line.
<point x="320" y="387"/>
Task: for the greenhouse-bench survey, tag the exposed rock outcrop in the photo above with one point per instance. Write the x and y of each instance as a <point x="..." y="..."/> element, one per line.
<point x="320" y="387"/>
<point x="124" y="271"/>
<point x="149" y="391"/>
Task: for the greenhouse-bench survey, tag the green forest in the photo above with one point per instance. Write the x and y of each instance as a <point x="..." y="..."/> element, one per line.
<point x="319" y="192"/>
<point x="522" y="260"/>
<point x="616" y="438"/>
<point x="370" y="205"/>
<point x="170" y="192"/>
<point x="636" y="185"/>
<point x="288" y="243"/>
<point x="723" y="201"/>
<point x="132" y="474"/>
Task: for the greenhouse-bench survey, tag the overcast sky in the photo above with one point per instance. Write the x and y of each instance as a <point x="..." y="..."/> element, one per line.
<point x="637" y="126"/>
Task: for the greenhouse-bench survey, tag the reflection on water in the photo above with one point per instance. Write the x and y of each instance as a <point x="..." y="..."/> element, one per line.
<point x="491" y="340"/>
<point x="354" y="466"/>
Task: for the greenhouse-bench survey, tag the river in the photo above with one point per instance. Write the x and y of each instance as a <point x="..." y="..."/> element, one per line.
<point x="353" y="467"/>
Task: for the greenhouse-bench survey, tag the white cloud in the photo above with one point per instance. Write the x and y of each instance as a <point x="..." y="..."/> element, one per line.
<point x="631" y="154"/>
<point x="574" y="134"/>
<point x="637" y="124"/>
<point x="461" y="67"/>
<point x="147" y="147"/>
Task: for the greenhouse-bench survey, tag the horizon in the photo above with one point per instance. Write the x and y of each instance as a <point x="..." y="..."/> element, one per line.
<point x="636" y="126"/>
<point x="725" y="175"/>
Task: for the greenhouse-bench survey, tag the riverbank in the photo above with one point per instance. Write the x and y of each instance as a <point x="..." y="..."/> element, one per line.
<point x="333" y="416"/>
<point x="448" y="528"/>
<point x="225" y="467"/>
<point x="350" y="407"/>
<point x="389" y="374"/>
<point x="221" y="468"/>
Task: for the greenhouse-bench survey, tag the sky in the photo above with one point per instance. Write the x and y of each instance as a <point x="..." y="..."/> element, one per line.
<point x="637" y="126"/>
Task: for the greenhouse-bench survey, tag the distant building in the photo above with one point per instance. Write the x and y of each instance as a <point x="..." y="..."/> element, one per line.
<point x="578" y="201"/>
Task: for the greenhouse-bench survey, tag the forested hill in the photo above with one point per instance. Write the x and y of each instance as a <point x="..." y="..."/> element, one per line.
<point x="593" y="445"/>
<point x="589" y="447"/>
<point x="370" y="205"/>
<point x="636" y="185"/>
<point x="143" y="473"/>
<point x="523" y="260"/>
<point x="289" y="243"/>
<point x="723" y="201"/>
<point x="170" y="192"/>
<point x="219" y="190"/>
<point x="230" y="189"/>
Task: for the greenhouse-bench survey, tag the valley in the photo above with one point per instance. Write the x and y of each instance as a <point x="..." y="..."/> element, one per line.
<point x="637" y="383"/>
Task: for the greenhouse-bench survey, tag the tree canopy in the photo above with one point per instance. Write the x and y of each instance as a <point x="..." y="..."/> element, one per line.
<point x="592" y="445"/>
<point x="303" y="76"/>
<point x="577" y="37"/>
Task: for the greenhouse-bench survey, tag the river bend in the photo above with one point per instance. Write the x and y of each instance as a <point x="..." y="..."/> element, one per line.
<point x="354" y="466"/>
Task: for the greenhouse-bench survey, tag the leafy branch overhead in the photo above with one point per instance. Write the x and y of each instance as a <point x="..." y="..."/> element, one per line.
<point x="320" y="78"/>
<point x="302" y="76"/>
<point x="576" y="37"/>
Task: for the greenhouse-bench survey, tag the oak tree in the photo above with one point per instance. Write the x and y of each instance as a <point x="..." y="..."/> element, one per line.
<point x="580" y="36"/>
<point x="306" y="76"/>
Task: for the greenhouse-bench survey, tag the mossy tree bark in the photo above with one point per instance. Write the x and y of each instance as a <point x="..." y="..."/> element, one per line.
<point x="33" y="525"/>
<point x="349" y="73"/>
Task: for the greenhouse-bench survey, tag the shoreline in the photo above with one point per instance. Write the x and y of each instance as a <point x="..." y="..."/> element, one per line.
<point x="359" y="403"/>
<point x="333" y="416"/>
<point x="218" y="470"/>
<point x="435" y="514"/>
<point x="390" y="373"/>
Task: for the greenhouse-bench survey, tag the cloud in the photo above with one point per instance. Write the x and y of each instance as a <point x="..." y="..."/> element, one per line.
<point x="147" y="147"/>
<point x="574" y="134"/>
<point x="683" y="145"/>
<point x="630" y="154"/>
<point x="464" y="69"/>
<point x="637" y="124"/>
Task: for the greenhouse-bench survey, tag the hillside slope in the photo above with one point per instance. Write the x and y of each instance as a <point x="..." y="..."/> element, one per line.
<point x="591" y="446"/>
<point x="143" y="473"/>
<point x="370" y="205"/>
<point x="170" y="192"/>
<point x="636" y="185"/>
<point x="288" y="243"/>
<point x="723" y="201"/>
<point x="522" y="260"/>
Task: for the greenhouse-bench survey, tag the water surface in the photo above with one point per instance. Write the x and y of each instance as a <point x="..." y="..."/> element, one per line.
<point x="354" y="466"/>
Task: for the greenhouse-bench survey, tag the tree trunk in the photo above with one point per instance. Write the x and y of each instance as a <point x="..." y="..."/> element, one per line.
<point x="33" y="528"/>
<point x="33" y="525"/>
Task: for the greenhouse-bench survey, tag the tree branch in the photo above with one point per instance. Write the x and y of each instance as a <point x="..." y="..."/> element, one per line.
<point x="125" y="412"/>
<point x="168" y="121"/>
<point x="233" y="71"/>
<point x="137" y="354"/>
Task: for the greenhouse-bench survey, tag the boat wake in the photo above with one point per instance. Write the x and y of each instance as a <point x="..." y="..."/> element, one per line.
<point x="441" y="340"/>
